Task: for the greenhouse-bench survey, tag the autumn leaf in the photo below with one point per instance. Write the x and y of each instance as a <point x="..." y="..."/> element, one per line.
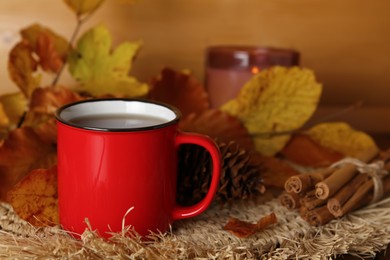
<point x="43" y="104"/>
<point x="14" y="105"/>
<point x="276" y="171"/>
<point x="102" y="71"/>
<point x="50" y="48"/>
<point x="218" y="125"/>
<point x="47" y="100"/>
<point x="22" y="67"/>
<point x="181" y="90"/>
<point x="12" y="108"/>
<point x="275" y="100"/>
<point x="341" y="137"/>
<point x="81" y="7"/>
<point x="22" y="151"/>
<point x="303" y="150"/>
<point x="35" y="197"/>
<point x="4" y="120"/>
<point x="244" y="229"/>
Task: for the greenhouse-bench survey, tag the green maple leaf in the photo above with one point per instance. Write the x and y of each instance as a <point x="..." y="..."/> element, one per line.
<point x="103" y="71"/>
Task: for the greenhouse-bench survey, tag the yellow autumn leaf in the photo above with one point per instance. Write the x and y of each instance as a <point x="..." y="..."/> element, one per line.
<point x="81" y="7"/>
<point x="275" y="100"/>
<point x="14" y="105"/>
<point x="4" y="121"/>
<point x="102" y="70"/>
<point x="341" y="137"/>
<point x="12" y="108"/>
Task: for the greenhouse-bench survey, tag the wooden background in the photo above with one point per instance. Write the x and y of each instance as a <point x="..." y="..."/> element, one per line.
<point x="346" y="43"/>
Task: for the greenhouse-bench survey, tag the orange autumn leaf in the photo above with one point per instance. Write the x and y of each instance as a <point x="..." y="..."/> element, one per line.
<point x="48" y="100"/>
<point x="43" y="104"/>
<point x="22" y="151"/>
<point x="303" y="150"/>
<point x="51" y="49"/>
<point x="218" y="124"/>
<point x="245" y="229"/>
<point x="35" y="197"/>
<point x="22" y="68"/>
<point x="50" y="60"/>
<point x="47" y="131"/>
<point x="180" y="90"/>
<point x="276" y="171"/>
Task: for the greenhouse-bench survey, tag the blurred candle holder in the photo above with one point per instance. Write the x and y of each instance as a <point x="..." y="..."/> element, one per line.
<point x="228" y="68"/>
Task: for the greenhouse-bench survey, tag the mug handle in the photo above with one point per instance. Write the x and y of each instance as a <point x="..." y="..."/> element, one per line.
<point x="180" y="212"/>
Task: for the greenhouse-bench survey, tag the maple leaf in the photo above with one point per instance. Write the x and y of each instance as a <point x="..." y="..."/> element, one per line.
<point x="275" y="100"/>
<point x="43" y="104"/>
<point x="102" y="72"/>
<point x="35" y="197"/>
<point x="47" y="100"/>
<point x="22" y="151"/>
<point x="39" y="47"/>
<point x="181" y="90"/>
<point x="81" y="7"/>
<point x="22" y="67"/>
<point x="51" y="49"/>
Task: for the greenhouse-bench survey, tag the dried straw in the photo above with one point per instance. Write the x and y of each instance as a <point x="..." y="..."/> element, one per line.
<point x="363" y="233"/>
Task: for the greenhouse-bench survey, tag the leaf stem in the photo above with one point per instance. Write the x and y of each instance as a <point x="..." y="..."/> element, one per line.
<point x="80" y="21"/>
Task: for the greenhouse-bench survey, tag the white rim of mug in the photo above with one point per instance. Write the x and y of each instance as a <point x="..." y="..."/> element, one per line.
<point x="62" y="120"/>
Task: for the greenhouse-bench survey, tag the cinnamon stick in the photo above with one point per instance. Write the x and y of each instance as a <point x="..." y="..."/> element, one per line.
<point x="342" y="175"/>
<point x="311" y="202"/>
<point x="318" y="216"/>
<point x="290" y="200"/>
<point x="322" y="215"/>
<point x="303" y="182"/>
<point x="335" y="203"/>
<point x="363" y="196"/>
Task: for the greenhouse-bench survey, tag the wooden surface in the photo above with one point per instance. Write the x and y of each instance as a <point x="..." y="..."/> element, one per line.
<point x="345" y="42"/>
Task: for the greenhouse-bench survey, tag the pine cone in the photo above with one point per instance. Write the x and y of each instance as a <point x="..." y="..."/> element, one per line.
<point x="240" y="174"/>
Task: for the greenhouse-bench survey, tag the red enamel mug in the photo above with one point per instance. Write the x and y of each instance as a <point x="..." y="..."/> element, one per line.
<point x="117" y="166"/>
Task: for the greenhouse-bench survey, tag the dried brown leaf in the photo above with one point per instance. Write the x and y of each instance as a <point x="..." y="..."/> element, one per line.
<point x="276" y="171"/>
<point x="245" y="229"/>
<point x="51" y="49"/>
<point x="48" y="100"/>
<point x="218" y="124"/>
<point x="180" y="90"/>
<point x="35" y="197"/>
<point x="23" y="151"/>
<point x="301" y="149"/>
<point x="22" y="67"/>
